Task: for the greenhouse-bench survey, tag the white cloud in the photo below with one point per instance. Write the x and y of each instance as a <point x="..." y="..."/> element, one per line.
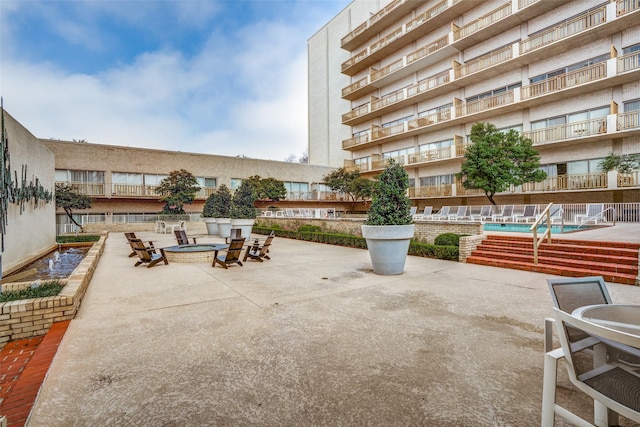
<point x="242" y="93"/>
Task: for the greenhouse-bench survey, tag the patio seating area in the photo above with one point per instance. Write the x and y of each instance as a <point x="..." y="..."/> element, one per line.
<point x="332" y="343"/>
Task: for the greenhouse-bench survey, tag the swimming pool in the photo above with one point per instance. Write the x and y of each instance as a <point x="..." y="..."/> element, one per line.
<point x="524" y="228"/>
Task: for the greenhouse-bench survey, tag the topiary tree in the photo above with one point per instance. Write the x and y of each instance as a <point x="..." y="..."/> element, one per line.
<point x="178" y="189"/>
<point x="242" y="202"/>
<point x="218" y="203"/>
<point x="68" y="199"/>
<point x="497" y="160"/>
<point x="390" y="205"/>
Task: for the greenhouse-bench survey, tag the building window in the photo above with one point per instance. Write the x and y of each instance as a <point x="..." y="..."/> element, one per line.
<point x="127" y="178"/>
<point x="398" y="153"/>
<point x="437" y="110"/>
<point x="435" y="181"/>
<point x="583" y="167"/>
<point x="153" y="179"/>
<point x="494" y="92"/>
<point x="204" y="182"/>
<point x="397" y="122"/>
<point x="631" y="105"/>
<point x="79" y="177"/>
<point x="436" y="145"/>
<point x="569" y="68"/>
<point x="235" y="183"/>
<point x="571" y="118"/>
<point x="631" y="49"/>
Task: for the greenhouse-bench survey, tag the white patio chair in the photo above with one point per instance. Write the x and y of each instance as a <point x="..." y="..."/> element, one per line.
<point x="443" y="213"/>
<point x="613" y="385"/>
<point x="426" y="214"/>
<point x="528" y="214"/>
<point x="507" y="213"/>
<point x="485" y="213"/>
<point x="461" y="212"/>
<point x="595" y="213"/>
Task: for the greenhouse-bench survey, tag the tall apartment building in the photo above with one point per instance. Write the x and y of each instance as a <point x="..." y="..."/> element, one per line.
<point x="407" y="79"/>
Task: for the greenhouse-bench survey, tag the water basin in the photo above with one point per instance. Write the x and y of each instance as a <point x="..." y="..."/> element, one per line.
<point x="57" y="264"/>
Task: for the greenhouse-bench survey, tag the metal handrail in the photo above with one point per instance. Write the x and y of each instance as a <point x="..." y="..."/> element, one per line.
<point x="545" y="215"/>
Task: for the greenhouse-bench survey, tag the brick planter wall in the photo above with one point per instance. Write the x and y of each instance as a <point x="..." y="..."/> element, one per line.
<point x="27" y="318"/>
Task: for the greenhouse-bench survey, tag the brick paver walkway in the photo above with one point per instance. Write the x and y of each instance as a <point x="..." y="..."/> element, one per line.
<point x="23" y="367"/>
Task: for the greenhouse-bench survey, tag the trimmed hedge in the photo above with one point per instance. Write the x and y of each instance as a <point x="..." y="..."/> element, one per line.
<point x="448" y="252"/>
<point x="81" y="238"/>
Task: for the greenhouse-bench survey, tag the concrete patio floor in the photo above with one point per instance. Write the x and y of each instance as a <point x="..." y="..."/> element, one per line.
<point x="311" y="337"/>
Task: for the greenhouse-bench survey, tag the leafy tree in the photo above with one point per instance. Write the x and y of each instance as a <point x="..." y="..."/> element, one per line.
<point x="623" y="163"/>
<point x="497" y="160"/>
<point x="390" y="205"/>
<point x="178" y="189"/>
<point x="218" y="203"/>
<point x="68" y="199"/>
<point x="242" y="202"/>
<point x="268" y="188"/>
<point x="349" y="182"/>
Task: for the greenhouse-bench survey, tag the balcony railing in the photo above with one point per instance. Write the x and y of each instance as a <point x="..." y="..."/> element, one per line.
<point x="360" y="139"/>
<point x="429" y="83"/>
<point x="563" y="81"/>
<point x="86" y="188"/>
<point x="586" y="181"/>
<point x="425" y="16"/>
<point x="356" y="58"/>
<point x="388" y="99"/>
<point x="631" y="179"/>
<point x="134" y="190"/>
<point x="581" y="23"/>
<point x="482" y="22"/>
<point x="382" y="163"/>
<point x="625" y="6"/>
<point x="431" y="191"/>
<point x="380" y="132"/>
<point x="375" y="18"/>
<point x="629" y="62"/>
<point x="430" y="155"/>
<point x="524" y="3"/>
<point x="355" y="86"/>
<point x="484" y="104"/>
<point x="629" y="120"/>
<point x="483" y="62"/>
<point x="428" y="49"/>
<point x="205" y="192"/>
<point x="567" y="131"/>
<point x="388" y="69"/>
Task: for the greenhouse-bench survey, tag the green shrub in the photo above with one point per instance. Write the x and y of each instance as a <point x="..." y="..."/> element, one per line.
<point x="47" y="289"/>
<point x="449" y="253"/>
<point x="310" y="228"/>
<point x="81" y="238"/>
<point x="447" y="239"/>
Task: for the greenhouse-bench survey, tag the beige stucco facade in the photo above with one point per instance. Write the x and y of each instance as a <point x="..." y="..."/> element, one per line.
<point x="30" y="230"/>
<point x="408" y="79"/>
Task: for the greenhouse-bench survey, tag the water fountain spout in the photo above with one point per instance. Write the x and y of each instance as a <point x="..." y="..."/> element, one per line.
<point x="56" y="256"/>
<point x="50" y="264"/>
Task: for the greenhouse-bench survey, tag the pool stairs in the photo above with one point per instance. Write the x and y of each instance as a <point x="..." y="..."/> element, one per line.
<point x="617" y="262"/>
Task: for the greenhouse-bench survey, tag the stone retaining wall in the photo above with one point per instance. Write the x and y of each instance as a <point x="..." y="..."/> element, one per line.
<point x="28" y="318"/>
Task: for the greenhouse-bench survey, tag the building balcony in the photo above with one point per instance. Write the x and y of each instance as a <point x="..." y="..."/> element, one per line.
<point x="431" y="191"/>
<point x="629" y="179"/>
<point x="352" y="166"/>
<point x="597" y="23"/>
<point x="149" y="191"/>
<point x="568" y="131"/>
<point x="94" y="189"/>
<point x="585" y="181"/>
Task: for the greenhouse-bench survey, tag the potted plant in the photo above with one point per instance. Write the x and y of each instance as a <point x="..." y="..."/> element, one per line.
<point x="389" y="228"/>
<point x="208" y="214"/>
<point x="220" y="210"/>
<point x="243" y="211"/>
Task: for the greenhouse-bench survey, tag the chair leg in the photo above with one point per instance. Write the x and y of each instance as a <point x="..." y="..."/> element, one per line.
<point x="549" y="387"/>
<point x="138" y="263"/>
<point x="548" y="334"/>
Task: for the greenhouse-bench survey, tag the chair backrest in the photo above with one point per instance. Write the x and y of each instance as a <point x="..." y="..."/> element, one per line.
<point x="571" y="293"/>
<point x="594" y="209"/>
<point x="181" y="236"/>
<point x="235" y="248"/>
<point x="265" y="247"/>
<point x="529" y="210"/>
<point x="130" y="236"/>
<point x="617" y="388"/>
<point x="556" y="211"/>
<point x="141" y="250"/>
<point x="507" y="210"/>
<point x="427" y="210"/>
<point x="413" y="210"/>
<point x="444" y="210"/>
<point x="462" y="211"/>
<point x="485" y="211"/>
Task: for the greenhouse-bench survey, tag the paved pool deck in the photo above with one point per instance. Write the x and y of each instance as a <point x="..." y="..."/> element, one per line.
<point x="312" y="337"/>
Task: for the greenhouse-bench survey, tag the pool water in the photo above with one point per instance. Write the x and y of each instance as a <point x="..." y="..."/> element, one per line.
<point x="525" y="228"/>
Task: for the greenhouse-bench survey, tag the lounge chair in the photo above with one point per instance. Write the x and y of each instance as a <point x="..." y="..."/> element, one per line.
<point x="258" y="252"/>
<point x="555" y="213"/>
<point x="507" y="213"/>
<point x="132" y="236"/>
<point x="595" y="212"/>
<point x="485" y="213"/>
<point x="232" y="255"/>
<point x="145" y="254"/>
<point x="182" y="238"/>
<point x="528" y="214"/>
<point x="426" y="214"/>
<point x="460" y="213"/>
<point x="443" y="213"/>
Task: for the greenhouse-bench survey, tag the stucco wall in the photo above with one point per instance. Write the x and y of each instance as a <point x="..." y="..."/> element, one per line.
<point x="31" y="231"/>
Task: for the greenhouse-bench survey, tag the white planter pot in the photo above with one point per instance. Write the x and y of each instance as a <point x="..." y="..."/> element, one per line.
<point x="212" y="226"/>
<point x="224" y="227"/>
<point x="388" y="246"/>
<point x="244" y="224"/>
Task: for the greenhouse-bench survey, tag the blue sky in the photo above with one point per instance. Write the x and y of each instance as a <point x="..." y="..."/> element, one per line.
<point x="224" y="77"/>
